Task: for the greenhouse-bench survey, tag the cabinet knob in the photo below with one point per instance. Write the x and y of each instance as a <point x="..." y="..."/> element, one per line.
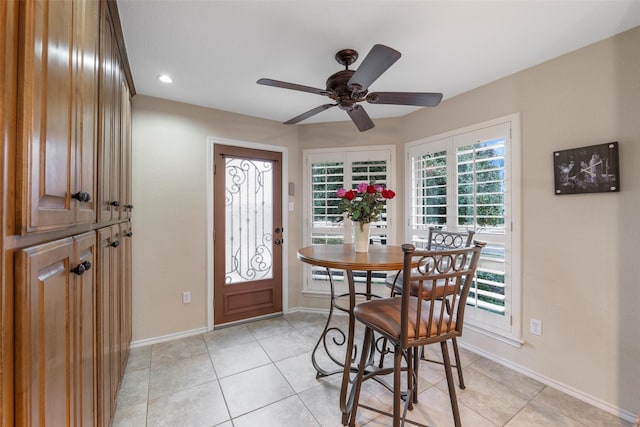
<point x="115" y="203"/>
<point x="128" y="233"/>
<point x="82" y="196"/>
<point x="79" y="269"/>
<point x="87" y="265"/>
<point x="129" y="206"/>
<point x="115" y="243"/>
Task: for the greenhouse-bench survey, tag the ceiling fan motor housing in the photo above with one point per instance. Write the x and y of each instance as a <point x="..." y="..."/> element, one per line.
<point x="340" y="92"/>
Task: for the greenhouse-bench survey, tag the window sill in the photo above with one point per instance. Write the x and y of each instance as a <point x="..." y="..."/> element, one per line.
<point x="512" y="341"/>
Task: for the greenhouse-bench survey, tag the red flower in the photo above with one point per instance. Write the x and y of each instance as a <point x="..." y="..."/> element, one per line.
<point x="371" y="189"/>
<point x="350" y="195"/>
<point x="388" y="194"/>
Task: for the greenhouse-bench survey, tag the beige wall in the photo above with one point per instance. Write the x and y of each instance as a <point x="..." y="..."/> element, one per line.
<point x="580" y="267"/>
<point x="170" y="193"/>
<point x="580" y="259"/>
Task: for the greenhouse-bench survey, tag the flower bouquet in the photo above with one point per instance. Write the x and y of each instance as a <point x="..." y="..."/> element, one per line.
<point x="363" y="206"/>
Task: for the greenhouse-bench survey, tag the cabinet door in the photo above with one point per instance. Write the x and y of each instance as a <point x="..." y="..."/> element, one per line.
<point x="116" y="308"/>
<point x="44" y="335"/>
<point x="58" y="114"/>
<point x="87" y="21"/>
<point x="85" y="297"/>
<point x="45" y="107"/>
<point x="103" y="305"/>
<point x="55" y="341"/>
<point x="108" y="167"/>
<point x="126" y="290"/>
<point x="125" y="155"/>
<point x="109" y="343"/>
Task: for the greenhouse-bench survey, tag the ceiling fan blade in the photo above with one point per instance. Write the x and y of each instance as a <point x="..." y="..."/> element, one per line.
<point x="377" y="61"/>
<point x="421" y="99"/>
<point x="308" y="114"/>
<point x="360" y="118"/>
<point x="292" y="86"/>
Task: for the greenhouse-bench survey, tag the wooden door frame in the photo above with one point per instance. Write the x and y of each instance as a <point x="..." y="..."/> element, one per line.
<point x="211" y="142"/>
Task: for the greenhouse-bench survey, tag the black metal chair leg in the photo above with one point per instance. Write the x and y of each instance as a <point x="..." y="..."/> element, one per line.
<point x="357" y="386"/>
<point x="416" y="365"/>
<point x="452" y="387"/>
<point x="456" y="354"/>
<point x="397" y="394"/>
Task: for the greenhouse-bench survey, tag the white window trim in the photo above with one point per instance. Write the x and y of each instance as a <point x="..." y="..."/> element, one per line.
<point x="513" y="154"/>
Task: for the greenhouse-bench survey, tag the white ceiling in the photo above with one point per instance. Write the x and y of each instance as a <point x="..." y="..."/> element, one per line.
<point x="216" y="50"/>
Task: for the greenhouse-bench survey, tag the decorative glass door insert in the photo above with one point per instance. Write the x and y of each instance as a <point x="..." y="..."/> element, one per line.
<point x="249" y="220"/>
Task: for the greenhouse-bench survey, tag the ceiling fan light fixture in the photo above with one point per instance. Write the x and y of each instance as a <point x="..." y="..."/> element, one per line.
<point x="164" y="78"/>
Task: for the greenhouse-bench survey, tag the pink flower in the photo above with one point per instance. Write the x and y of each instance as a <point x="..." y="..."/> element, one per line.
<point x="341" y="192"/>
<point x="379" y="188"/>
<point x="362" y="187"/>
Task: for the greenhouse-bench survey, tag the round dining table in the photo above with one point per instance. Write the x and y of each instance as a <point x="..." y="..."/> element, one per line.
<point x="344" y="257"/>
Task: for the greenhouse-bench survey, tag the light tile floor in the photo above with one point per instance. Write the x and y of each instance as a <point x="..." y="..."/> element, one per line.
<point x="260" y="374"/>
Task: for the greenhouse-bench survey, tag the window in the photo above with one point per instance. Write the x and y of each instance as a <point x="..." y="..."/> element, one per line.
<point x="326" y="171"/>
<point x="469" y="180"/>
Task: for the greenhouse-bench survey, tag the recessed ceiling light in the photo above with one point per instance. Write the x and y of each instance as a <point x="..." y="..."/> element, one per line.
<point x="164" y="78"/>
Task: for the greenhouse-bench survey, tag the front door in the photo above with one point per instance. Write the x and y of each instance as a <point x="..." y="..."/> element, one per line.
<point x="247" y="279"/>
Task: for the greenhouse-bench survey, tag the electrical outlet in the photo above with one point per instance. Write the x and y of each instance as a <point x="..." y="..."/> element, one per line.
<point x="186" y="297"/>
<point x="535" y="326"/>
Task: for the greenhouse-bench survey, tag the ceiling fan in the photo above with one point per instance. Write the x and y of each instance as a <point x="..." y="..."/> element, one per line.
<point x="347" y="88"/>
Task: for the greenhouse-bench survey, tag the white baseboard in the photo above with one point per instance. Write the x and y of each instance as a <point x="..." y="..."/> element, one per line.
<point x="316" y="310"/>
<point x="164" y="338"/>
<point x="591" y="400"/>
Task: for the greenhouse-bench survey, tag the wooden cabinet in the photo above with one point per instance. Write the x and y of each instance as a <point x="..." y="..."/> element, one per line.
<point x="105" y="307"/>
<point x="113" y="313"/>
<point x="8" y="88"/>
<point x="85" y="299"/>
<point x="57" y="108"/>
<point x="55" y="324"/>
<point x="65" y="175"/>
<point x="86" y="50"/>
<point x="111" y="82"/>
<point x="126" y="290"/>
<point x="125" y="155"/>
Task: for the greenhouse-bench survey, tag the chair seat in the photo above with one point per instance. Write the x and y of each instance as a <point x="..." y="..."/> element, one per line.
<point x="427" y="288"/>
<point x="384" y="315"/>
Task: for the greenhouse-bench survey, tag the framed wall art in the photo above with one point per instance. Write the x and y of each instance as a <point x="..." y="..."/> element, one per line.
<point x="592" y="169"/>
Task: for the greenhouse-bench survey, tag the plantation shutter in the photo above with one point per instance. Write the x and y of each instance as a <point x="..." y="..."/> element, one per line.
<point x="326" y="172"/>
<point x="463" y="181"/>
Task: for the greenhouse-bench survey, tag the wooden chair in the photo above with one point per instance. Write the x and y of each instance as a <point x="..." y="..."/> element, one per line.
<point x="416" y="319"/>
<point x="437" y="240"/>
